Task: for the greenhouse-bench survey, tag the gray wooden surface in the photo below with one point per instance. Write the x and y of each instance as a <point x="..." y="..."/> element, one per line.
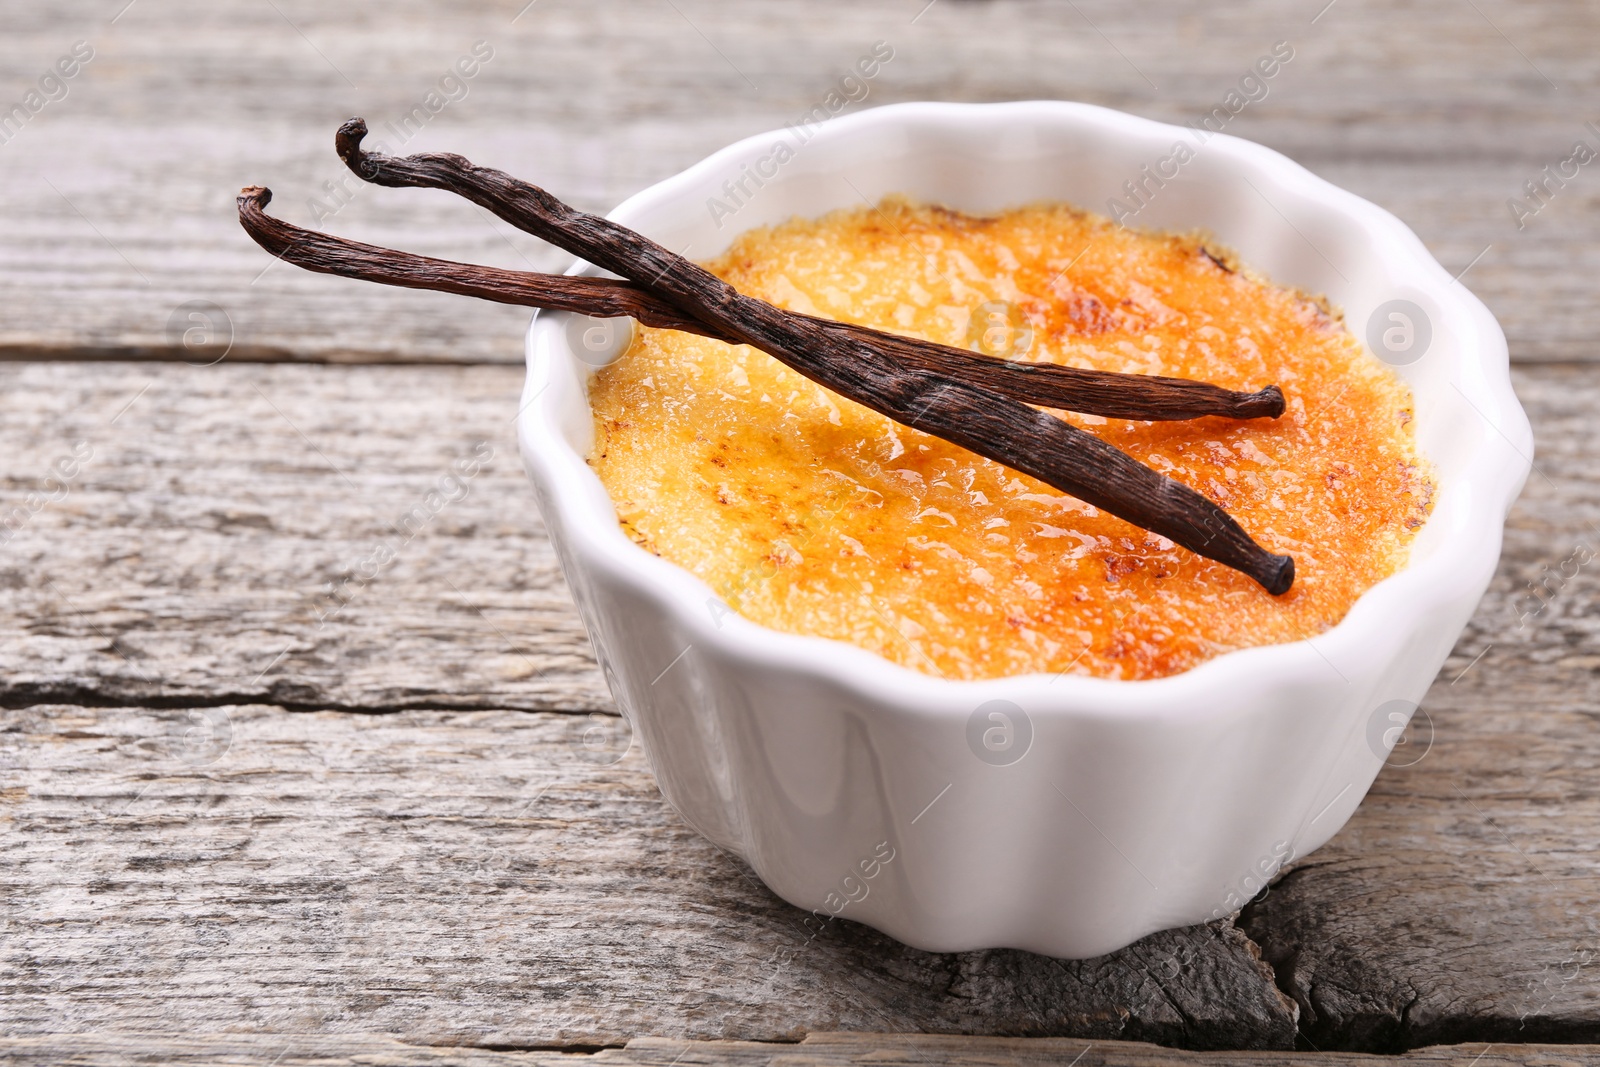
<point x="815" y="1050"/>
<point x="237" y="824"/>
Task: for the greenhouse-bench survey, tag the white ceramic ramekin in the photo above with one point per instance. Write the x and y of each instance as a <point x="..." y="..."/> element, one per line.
<point x="1065" y="815"/>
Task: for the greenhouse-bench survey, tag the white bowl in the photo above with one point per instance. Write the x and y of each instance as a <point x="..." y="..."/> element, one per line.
<point x="1092" y="812"/>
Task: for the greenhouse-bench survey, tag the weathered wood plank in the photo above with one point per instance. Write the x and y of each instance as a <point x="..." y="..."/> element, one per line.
<point x="816" y="1050"/>
<point x="215" y="545"/>
<point x="116" y="201"/>
<point x="480" y="878"/>
<point x="204" y="535"/>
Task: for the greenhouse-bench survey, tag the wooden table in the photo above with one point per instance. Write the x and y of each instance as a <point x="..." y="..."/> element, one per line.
<point x="238" y="827"/>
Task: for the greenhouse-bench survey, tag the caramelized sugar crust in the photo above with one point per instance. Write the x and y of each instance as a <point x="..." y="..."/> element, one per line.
<point x="811" y="514"/>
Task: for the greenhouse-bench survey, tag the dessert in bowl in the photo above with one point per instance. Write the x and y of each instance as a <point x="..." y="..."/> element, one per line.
<point x="1042" y="808"/>
<point x="810" y="513"/>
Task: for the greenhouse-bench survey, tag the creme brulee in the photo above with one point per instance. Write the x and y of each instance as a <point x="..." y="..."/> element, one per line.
<point x="814" y="515"/>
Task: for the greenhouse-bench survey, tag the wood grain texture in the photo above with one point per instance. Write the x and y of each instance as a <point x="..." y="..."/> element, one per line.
<point x="483" y="878"/>
<point x="116" y="201"/>
<point x="216" y="545"/>
<point x="816" y="1050"/>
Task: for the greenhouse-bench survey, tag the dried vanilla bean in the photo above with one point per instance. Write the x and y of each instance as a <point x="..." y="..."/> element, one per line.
<point x="972" y="401"/>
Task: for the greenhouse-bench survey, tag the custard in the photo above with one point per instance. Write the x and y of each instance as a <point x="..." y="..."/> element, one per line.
<point x="811" y="514"/>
